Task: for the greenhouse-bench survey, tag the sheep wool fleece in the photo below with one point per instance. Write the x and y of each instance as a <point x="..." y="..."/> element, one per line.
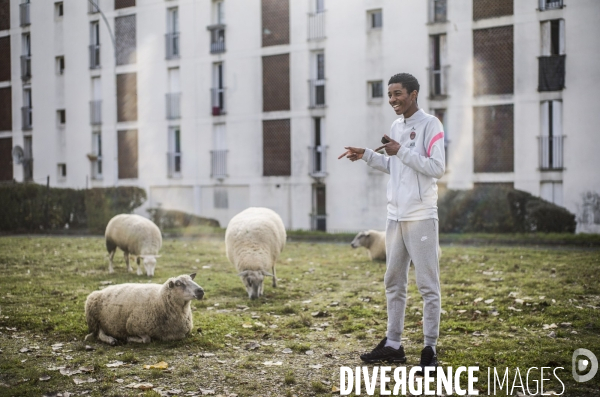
<point x="416" y="241"/>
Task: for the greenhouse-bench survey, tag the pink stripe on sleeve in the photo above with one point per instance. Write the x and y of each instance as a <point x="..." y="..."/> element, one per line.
<point x="434" y="140"/>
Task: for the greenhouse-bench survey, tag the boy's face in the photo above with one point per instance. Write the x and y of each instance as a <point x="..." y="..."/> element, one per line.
<point x="399" y="98"/>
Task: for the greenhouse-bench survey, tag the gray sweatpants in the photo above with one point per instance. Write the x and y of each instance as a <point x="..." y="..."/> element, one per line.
<point x="416" y="241"/>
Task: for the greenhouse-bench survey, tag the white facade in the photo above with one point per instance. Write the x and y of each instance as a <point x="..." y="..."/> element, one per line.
<point x="364" y="41"/>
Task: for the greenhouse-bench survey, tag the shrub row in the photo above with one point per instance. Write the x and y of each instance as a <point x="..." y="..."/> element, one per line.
<point x="497" y="209"/>
<point x="170" y="219"/>
<point x="30" y="207"/>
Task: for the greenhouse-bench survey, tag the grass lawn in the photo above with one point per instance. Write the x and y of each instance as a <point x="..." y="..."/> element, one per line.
<point x="504" y="307"/>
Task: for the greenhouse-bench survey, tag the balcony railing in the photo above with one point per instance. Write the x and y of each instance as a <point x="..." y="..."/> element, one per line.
<point x="93" y="7"/>
<point x="172" y="41"/>
<point x="25" y="67"/>
<point x="25" y="15"/>
<point x="94" y="56"/>
<point x="174" y="164"/>
<point x="95" y="112"/>
<point x="97" y="168"/>
<point x="551" y="73"/>
<point x="27" y="169"/>
<point x="217" y="38"/>
<point x="218" y="164"/>
<point x="218" y="101"/>
<point x="438" y="82"/>
<point x="550" y="4"/>
<point x="551" y="152"/>
<point x="317" y="93"/>
<point x="316" y="26"/>
<point x="317" y="165"/>
<point x="173" y="105"/>
<point x="318" y="222"/>
<point x="27" y="117"/>
<point x="438" y="11"/>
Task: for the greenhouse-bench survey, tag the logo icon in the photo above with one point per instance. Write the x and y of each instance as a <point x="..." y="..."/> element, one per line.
<point x="413" y="135"/>
<point x="580" y="365"/>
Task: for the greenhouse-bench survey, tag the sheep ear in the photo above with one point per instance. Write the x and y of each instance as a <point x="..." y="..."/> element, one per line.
<point x="266" y="273"/>
<point x="192" y="276"/>
<point x="171" y="284"/>
<point x="245" y="272"/>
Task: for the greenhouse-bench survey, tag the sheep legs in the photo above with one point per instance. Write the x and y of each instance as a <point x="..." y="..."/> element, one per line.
<point x="274" y="278"/>
<point x="126" y="255"/>
<point x="106" y="339"/>
<point x="139" y="270"/>
<point x="111" y="255"/>
<point x="139" y="339"/>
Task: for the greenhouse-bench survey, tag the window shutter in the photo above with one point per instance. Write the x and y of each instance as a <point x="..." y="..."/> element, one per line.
<point x="544" y="121"/>
<point x="556" y="118"/>
<point x="561" y="37"/>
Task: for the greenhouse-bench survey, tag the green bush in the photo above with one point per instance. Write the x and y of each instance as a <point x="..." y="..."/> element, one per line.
<point x="169" y="219"/>
<point x="498" y="209"/>
<point x="104" y="203"/>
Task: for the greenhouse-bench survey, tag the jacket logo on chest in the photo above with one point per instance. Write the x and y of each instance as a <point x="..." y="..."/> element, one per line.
<point x="413" y="134"/>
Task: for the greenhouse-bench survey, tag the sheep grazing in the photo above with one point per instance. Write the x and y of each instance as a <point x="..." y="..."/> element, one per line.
<point x="142" y="312"/>
<point x="136" y="236"/>
<point x="253" y="241"/>
<point x="373" y="241"/>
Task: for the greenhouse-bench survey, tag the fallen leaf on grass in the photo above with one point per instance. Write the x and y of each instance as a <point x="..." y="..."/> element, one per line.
<point x="160" y="365"/>
<point x="461" y="311"/>
<point x="478" y="300"/>
<point x="79" y="381"/>
<point x="45" y="378"/>
<point x="316" y="366"/>
<point x="119" y="380"/>
<point x="287" y="350"/>
<point x="272" y="363"/>
<point x="141" y="386"/>
<point x="115" y="364"/>
<point x="335" y="389"/>
<point x="69" y="372"/>
<point x="488" y="301"/>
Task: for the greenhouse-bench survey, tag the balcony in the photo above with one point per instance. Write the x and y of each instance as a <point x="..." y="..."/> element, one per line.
<point x="93" y="7"/>
<point x="25" y="14"/>
<point x="550" y="4"/>
<point x="95" y="112"/>
<point x="438" y="82"/>
<point x="27" y="118"/>
<point x="25" y="67"/>
<point x="217" y="38"/>
<point x="172" y="41"/>
<point x="316" y="26"/>
<point x="317" y="164"/>
<point x="551" y="73"/>
<point x="173" y="105"/>
<point x="218" y="101"/>
<point x="174" y="164"/>
<point x="438" y="11"/>
<point x="27" y="169"/>
<point x="551" y="152"/>
<point x="317" y="93"/>
<point x="94" y="56"/>
<point x="218" y="164"/>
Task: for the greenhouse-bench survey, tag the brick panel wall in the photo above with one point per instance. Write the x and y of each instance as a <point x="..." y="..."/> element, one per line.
<point x="4" y="14"/>
<point x="276" y="82"/>
<point x="493" y="143"/>
<point x="124" y="4"/>
<point x="483" y="9"/>
<point x="5" y="109"/>
<point x="127" y="148"/>
<point x="275" y="22"/>
<point x="125" y="38"/>
<point x="277" y="148"/>
<point x="493" y="66"/>
<point x="6" y="164"/>
<point x="127" y="97"/>
<point x="5" y="58"/>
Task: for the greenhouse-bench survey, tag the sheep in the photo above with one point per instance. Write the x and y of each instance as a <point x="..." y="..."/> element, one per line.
<point x="374" y="241"/>
<point x="253" y="241"/>
<point x="136" y="236"/>
<point x="142" y="312"/>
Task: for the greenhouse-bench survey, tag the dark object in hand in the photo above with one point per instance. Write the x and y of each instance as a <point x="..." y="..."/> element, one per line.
<point x="384" y="140"/>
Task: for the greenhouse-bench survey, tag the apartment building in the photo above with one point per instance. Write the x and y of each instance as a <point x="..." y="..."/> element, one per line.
<point x="216" y="105"/>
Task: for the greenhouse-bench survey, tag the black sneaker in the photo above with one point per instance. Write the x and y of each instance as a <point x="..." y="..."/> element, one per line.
<point x="428" y="359"/>
<point x="384" y="353"/>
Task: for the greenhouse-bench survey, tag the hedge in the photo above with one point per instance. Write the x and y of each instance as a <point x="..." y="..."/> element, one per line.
<point x="31" y="207"/>
<point x="170" y="219"/>
<point x="497" y="209"/>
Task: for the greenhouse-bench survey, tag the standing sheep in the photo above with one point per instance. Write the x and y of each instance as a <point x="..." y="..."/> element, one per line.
<point x="136" y="236"/>
<point x="142" y="312"/>
<point x="253" y="241"/>
<point x="372" y="240"/>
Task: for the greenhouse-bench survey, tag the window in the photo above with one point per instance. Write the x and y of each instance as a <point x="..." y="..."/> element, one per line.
<point x="319" y="6"/>
<point x="26" y="57"/>
<point x="127" y="97"/>
<point x="275" y="22"/>
<point x="493" y="141"/>
<point x="61" y="117"/>
<point x="317" y="83"/>
<point x="5" y="16"/>
<point x="375" y="19"/>
<point x="316" y="21"/>
<point x="483" y="9"/>
<point x="552" y="192"/>
<point x="174" y="95"/>
<point x="319" y="213"/>
<point x="127" y="148"/>
<point x="550" y="4"/>
<point x="60" y="65"/>
<point x="376" y="89"/>
<point x="219" y="12"/>
<point x="437" y="65"/>
<point x="58" y="10"/>
<point x="5" y="59"/>
<point x="551" y="139"/>
<point x="94" y="45"/>
<point x="6" y="107"/>
<point x="493" y="63"/>
<point x="97" y="155"/>
<point x="6" y="159"/>
<point x="219" y="152"/>
<point x="437" y="10"/>
<point x="318" y="150"/>
<point x="276" y="148"/>
<point x="174" y="156"/>
<point x="27" y="118"/>
<point x="28" y="158"/>
<point x="552" y="59"/>
<point x="276" y="82"/>
<point x="96" y="102"/>
<point x="172" y="36"/>
<point x="62" y="172"/>
<point x="123" y="3"/>
<point x="218" y="90"/>
<point x="221" y="198"/>
<point x="125" y="38"/>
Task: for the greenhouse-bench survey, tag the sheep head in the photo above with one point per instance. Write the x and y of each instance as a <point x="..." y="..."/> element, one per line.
<point x="253" y="281"/>
<point x="149" y="263"/>
<point x="185" y="288"/>
<point x="360" y="239"/>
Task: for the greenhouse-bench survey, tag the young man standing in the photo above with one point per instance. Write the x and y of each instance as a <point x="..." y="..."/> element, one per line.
<point x="415" y="160"/>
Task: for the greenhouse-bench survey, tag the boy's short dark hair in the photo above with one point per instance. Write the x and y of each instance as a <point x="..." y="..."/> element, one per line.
<point x="407" y="80"/>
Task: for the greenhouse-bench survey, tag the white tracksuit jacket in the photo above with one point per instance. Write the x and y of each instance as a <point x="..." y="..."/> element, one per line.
<point x="415" y="169"/>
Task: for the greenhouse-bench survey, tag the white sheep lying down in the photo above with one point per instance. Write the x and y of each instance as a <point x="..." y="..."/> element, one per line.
<point x="142" y="312"/>
<point x="253" y="241"/>
<point x="136" y="236"/>
<point x="374" y="241"/>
